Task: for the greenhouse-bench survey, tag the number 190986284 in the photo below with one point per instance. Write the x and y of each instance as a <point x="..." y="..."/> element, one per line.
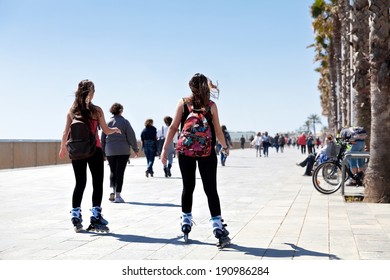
<point x="229" y="270"/>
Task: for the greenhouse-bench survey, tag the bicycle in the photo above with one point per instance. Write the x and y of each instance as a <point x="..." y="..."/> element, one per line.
<point x="327" y="177"/>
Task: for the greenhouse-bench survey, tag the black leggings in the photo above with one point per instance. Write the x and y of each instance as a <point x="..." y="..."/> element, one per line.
<point x="117" y="167"/>
<point x="208" y="172"/>
<point x="96" y="167"/>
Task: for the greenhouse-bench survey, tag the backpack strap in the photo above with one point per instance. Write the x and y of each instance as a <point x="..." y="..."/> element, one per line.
<point x="208" y="108"/>
<point x="187" y="101"/>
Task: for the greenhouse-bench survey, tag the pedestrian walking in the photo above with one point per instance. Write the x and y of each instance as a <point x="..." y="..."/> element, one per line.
<point x="242" y="142"/>
<point x="266" y="143"/>
<point x="228" y="142"/>
<point x="170" y="146"/>
<point x="116" y="148"/>
<point x="149" y="145"/>
<point x="257" y="142"/>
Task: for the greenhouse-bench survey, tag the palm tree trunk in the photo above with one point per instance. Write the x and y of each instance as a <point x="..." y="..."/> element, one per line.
<point x="337" y="46"/>
<point x="344" y="11"/>
<point x="333" y="124"/>
<point x="377" y="177"/>
<point x="361" y="66"/>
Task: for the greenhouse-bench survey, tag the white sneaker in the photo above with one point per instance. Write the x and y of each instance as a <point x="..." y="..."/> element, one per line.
<point x="118" y="199"/>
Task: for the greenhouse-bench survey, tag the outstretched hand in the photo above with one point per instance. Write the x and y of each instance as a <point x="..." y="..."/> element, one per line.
<point x="226" y="152"/>
<point x="62" y="153"/>
<point x="163" y="157"/>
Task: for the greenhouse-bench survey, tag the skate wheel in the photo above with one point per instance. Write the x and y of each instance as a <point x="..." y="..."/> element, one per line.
<point x="90" y="228"/>
<point x="103" y="229"/>
<point x="98" y="229"/>
<point x="78" y="229"/>
<point x="224" y="243"/>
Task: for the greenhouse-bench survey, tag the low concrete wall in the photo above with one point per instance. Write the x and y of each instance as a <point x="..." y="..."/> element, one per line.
<point x="30" y="153"/>
<point x="25" y="153"/>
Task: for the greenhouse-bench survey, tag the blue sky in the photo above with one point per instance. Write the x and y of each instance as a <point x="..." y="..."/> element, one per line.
<point x="143" y="53"/>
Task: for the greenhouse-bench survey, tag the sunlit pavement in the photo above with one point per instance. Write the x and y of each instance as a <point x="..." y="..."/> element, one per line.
<point x="272" y="212"/>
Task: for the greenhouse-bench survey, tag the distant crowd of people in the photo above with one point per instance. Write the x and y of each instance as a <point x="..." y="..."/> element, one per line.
<point x="263" y="141"/>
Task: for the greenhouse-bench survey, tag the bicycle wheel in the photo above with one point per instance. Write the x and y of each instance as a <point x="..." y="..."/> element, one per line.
<point x="327" y="178"/>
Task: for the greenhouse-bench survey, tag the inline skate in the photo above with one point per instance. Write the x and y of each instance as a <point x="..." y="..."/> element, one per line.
<point x="76" y="219"/>
<point x="220" y="232"/>
<point x="98" y="224"/>
<point x="186" y="224"/>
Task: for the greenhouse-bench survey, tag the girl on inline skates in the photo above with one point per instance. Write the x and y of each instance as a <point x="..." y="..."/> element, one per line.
<point x="82" y="109"/>
<point x="200" y="103"/>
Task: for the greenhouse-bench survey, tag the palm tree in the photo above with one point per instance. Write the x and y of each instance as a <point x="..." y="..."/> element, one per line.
<point x="377" y="176"/>
<point x="307" y="126"/>
<point x="313" y="120"/>
<point x="323" y="25"/>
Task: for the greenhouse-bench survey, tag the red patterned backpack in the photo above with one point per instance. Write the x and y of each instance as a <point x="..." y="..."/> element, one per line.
<point x="195" y="139"/>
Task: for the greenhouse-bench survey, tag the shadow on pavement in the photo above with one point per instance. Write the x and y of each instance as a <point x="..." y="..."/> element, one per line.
<point x="154" y="204"/>
<point x="167" y="178"/>
<point x="145" y="239"/>
<point x="296" y="251"/>
<point x="299" y="251"/>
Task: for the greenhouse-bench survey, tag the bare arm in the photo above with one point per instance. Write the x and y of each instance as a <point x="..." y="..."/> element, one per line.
<point x="102" y="122"/>
<point x="131" y="139"/>
<point x="217" y="126"/>
<point x="172" y="130"/>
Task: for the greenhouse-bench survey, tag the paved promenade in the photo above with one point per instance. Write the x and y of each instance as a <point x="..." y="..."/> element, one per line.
<point x="272" y="212"/>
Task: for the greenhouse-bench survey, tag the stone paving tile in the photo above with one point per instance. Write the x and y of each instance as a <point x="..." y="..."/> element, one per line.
<point x="374" y="255"/>
<point x="127" y="254"/>
<point x="272" y="212"/>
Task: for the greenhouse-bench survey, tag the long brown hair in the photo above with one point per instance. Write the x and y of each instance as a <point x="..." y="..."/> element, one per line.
<point x="200" y="87"/>
<point x="80" y="105"/>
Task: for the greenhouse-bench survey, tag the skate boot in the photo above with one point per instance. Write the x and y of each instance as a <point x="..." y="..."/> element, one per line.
<point x="186" y="224"/>
<point x="76" y="219"/>
<point x="220" y="232"/>
<point x="169" y="170"/>
<point x="98" y="224"/>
